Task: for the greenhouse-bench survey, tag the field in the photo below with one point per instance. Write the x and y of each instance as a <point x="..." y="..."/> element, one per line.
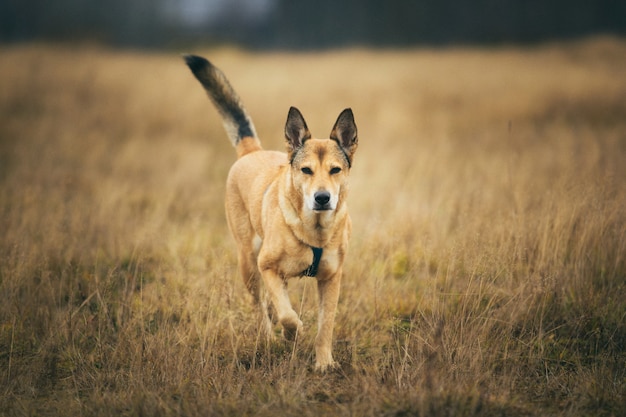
<point x="486" y="274"/>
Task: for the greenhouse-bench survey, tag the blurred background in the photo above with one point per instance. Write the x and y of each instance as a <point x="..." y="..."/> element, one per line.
<point x="487" y="267"/>
<point x="285" y="24"/>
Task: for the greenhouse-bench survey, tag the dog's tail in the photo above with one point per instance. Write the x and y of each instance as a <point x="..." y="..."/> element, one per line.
<point x="237" y="122"/>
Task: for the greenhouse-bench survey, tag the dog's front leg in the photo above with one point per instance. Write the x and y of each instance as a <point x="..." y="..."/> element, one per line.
<point x="287" y="317"/>
<point x="328" y="291"/>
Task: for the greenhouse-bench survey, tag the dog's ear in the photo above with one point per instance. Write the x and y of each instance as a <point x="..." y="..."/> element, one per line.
<point x="345" y="134"/>
<point x="296" y="131"/>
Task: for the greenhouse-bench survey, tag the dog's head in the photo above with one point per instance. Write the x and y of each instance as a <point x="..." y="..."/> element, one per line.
<point x="320" y="167"/>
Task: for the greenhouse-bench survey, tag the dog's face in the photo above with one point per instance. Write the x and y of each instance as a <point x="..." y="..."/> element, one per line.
<point x="320" y="167"/>
<point x="320" y="172"/>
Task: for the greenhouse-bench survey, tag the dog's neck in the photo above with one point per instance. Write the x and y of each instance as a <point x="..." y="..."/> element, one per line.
<point x="313" y="228"/>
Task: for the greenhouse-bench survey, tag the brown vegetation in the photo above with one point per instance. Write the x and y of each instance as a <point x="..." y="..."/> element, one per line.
<point x="486" y="276"/>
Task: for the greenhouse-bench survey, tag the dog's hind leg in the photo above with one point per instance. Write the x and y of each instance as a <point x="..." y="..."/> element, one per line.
<point x="247" y="249"/>
<point x="252" y="280"/>
<point x="250" y="274"/>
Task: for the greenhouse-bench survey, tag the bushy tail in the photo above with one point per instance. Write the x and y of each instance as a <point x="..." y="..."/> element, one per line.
<point x="237" y="122"/>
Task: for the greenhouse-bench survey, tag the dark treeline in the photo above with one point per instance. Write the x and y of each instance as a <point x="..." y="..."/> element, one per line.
<point x="405" y="22"/>
<point x="314" y="24"/>
<point x="122" y="22"/>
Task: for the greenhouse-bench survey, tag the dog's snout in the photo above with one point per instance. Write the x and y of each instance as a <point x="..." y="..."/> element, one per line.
<point x="322" y="197"/>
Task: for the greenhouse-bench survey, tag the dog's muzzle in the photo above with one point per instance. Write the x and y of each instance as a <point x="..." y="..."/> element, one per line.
<point x="322" y="201"/>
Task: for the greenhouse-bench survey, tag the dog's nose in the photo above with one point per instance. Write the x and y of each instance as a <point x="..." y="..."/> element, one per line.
<point x="322" y="197"/>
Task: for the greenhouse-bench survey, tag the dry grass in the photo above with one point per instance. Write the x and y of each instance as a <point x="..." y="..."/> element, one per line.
<point x="487" y="273"/>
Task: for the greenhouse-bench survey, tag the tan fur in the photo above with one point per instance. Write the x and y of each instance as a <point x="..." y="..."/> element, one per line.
<point x="291" y="202"/>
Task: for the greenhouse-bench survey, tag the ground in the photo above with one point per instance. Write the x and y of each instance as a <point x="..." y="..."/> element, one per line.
<point x="486" y="274"/>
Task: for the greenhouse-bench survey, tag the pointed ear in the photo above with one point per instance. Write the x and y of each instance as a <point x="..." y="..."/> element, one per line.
<point x="296" y="131"/>
<point x="345" y="133"/>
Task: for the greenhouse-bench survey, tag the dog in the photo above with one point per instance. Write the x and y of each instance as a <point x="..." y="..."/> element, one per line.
<point x="286" y="211"/>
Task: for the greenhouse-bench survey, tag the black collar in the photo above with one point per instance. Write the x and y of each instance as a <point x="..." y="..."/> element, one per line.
<point x="311" y="271"/>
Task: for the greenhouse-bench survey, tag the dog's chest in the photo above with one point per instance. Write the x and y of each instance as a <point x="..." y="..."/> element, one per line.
<point x="303" y="262"/>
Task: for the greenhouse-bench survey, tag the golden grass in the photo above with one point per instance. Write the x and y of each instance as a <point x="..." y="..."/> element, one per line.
<point x="487" y="273"/>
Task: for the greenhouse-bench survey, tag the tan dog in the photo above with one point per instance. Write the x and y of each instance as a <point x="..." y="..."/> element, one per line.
<point x="287" y="212"/>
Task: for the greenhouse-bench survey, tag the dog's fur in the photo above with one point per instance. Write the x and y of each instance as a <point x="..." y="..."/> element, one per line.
<point x="279" y="206"/>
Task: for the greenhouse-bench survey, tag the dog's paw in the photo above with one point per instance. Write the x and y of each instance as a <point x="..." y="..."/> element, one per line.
<point x="291" y="328"/>
<point x="326" y="366"/>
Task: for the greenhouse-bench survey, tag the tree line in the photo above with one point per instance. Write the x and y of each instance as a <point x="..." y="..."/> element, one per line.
<point x="314" y="24"/>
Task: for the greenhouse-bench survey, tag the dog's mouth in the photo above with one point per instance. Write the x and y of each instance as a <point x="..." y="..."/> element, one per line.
<point x="326" y="207"/>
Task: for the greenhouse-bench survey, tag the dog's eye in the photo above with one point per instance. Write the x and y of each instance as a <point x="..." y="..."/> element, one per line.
<point x="335" y="170"/>
<point x="307" y="171"/>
